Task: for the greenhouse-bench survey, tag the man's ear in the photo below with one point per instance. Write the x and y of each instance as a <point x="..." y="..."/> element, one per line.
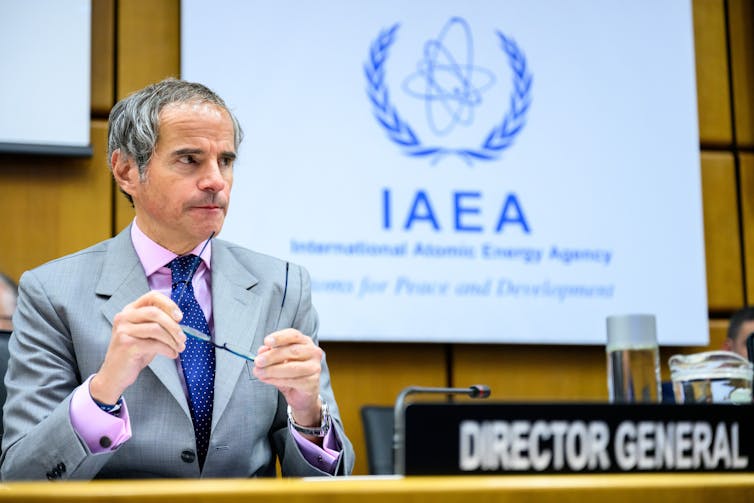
<point x="727" y="344"/>
<point x="125" y="171"/>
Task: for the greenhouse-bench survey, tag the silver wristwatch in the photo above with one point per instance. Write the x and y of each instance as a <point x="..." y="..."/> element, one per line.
<point x="315" y="431"/>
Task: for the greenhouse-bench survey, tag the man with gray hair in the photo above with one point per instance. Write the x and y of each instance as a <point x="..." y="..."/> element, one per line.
<point x="164" y="351"/>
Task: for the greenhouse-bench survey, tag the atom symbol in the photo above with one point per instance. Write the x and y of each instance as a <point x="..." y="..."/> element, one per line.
<point x="447" y="80"/>
<point x="498" y="139"/>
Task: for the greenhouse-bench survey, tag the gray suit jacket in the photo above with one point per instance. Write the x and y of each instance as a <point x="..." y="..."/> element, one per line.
<point x="62" y="331"/>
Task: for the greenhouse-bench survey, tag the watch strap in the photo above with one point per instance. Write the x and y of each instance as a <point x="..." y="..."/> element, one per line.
<point x="113" y="409"/>
<point x="315" y="431"/>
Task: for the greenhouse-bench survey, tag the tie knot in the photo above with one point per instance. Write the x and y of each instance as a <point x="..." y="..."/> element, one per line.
<point x="182" y="267"/>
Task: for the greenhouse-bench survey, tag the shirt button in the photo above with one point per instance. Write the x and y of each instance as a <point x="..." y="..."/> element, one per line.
<point x="188" y="456"/>
<point x="105" y="442"/>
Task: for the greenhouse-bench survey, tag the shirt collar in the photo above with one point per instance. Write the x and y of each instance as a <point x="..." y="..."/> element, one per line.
<point x="153" y="256"/>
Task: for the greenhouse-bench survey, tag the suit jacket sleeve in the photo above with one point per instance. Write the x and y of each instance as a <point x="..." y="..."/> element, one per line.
<point x="39" y="441"/>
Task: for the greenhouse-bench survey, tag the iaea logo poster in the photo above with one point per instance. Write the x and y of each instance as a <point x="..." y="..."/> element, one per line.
<point x="467" y="171"/>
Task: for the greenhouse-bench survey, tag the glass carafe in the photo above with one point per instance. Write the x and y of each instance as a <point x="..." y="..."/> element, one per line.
<point x="711" y="377"/>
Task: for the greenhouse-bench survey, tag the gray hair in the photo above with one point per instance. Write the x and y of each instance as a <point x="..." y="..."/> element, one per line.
<point x="134" y="123"/>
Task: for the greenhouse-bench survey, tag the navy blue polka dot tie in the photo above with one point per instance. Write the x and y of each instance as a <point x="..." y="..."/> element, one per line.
<point x="198" y="359"/>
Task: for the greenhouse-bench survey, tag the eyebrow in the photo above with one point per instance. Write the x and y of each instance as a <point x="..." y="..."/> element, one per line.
<point x="197" y="151"/>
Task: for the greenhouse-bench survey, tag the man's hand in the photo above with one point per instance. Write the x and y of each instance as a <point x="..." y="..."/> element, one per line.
<point x="143" y="329"/>
<point x="292" y="363"/>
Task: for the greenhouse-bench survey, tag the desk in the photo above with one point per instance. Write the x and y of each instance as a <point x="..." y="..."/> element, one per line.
<point x="643" y="488"/>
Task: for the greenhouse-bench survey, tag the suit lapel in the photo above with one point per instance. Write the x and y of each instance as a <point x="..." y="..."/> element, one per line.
<point x="124" y="281"/>
<point x="236" y="314"/>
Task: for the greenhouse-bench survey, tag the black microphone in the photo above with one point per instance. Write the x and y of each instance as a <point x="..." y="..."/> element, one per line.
<point x="479" y="391"/>
<point x="750" y="347"/>
<point x="399" y="424"/>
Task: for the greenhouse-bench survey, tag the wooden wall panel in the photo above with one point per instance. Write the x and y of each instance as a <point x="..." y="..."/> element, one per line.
<point x="746" y="193"/>
<point x="374" y="374"/>
<point x="148" y="51"/>
<point x="741" y="16"/>
<point x="718" y="330"/>
<point x="713" y="96"/>
<point x="721" y="234"/>
<point x="534" y="372"/>
<point x="148" y="43"/>
<point x="53" y="206"/>
<point x="103" y="57"/>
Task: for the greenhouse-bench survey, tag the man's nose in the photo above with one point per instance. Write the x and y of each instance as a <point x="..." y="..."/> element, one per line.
<point x="212" y="178"/>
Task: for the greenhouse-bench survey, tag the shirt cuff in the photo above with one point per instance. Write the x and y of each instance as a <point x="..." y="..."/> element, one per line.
<point x="326" y="457"/>
<point x="100" y="431"/>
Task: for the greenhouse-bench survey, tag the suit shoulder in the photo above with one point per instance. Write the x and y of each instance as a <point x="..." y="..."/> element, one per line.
<point x="73" y="261"/>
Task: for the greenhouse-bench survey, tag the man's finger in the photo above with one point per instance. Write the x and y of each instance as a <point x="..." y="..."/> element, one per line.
<point x="156" y="324"/>
<point x="281" y="355"/>
<point x="291" y="370"/>
<point x="285" y="337"/>
<point x="159" y="300"/>
<point x="151" y="331"/>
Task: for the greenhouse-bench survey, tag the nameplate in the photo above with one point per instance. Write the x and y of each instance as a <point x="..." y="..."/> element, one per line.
<point x="514" y="438"/>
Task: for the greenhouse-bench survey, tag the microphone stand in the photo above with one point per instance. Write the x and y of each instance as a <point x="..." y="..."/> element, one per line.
<point x="399" y="411"/>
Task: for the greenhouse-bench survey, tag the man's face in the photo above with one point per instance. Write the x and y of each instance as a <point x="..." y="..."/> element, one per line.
<point x="186" y="190"/>
<point x="739" y="345"/>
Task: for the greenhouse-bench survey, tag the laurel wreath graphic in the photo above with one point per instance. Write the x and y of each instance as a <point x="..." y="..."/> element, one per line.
<point x="500" y="137"/>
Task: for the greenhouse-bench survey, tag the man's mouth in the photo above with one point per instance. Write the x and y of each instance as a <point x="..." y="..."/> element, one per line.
<point x="209" y="206"/>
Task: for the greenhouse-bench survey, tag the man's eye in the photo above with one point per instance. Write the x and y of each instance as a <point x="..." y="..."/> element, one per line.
<point x="187" y="159"/>
<point x="226" y="162"/>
